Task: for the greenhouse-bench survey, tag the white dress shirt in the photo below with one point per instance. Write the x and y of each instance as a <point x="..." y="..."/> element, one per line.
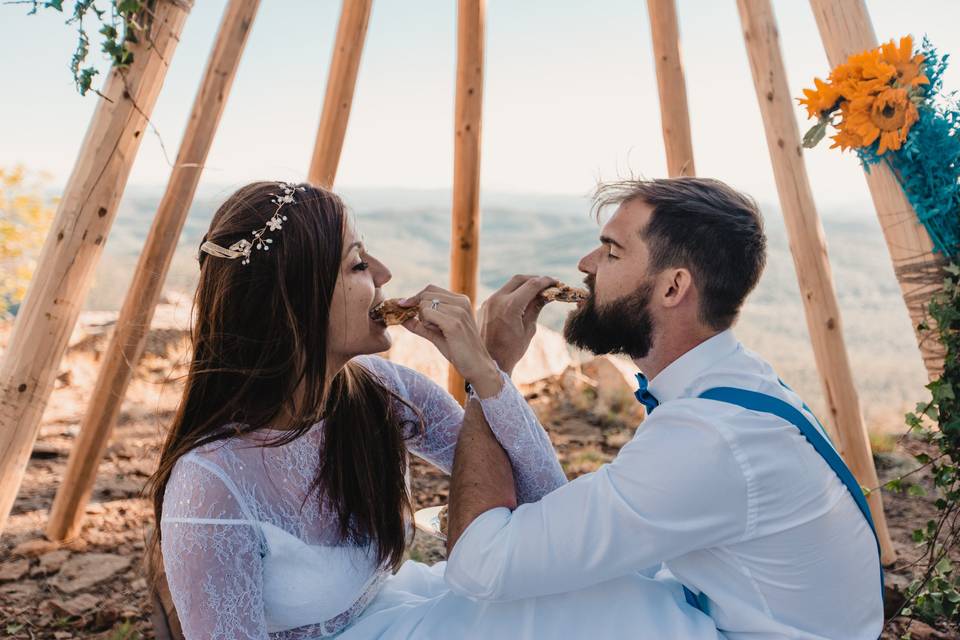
<point x="734" y="503"/>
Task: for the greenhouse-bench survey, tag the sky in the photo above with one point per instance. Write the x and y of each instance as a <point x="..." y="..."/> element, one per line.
<point x="570" y="95"/>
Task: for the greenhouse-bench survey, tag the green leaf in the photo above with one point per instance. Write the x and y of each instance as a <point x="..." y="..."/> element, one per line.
<point x="916" y="490"/>
<point x="943" y="392"/>
<point x="815" y="134"/>
<point x="129" y="6"/>
<point x="86" y="79"/>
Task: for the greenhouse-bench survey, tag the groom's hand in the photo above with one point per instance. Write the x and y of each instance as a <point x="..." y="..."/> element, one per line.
<point x="508" y="318"/>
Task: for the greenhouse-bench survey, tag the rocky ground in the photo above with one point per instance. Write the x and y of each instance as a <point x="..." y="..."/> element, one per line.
<point x="95" y="586"/>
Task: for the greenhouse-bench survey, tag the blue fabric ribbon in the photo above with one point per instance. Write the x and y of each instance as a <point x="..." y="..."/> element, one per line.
<point x="765" y="403"/>
<point x="644" y="396"/>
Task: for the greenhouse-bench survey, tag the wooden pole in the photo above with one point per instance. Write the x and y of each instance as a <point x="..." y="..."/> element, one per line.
<point x="73" y="246"/>
<point x="465" y="238"/>
<point x="809" y="248"/>
<point x="845" y="28"/>
<point x="341" y="83"/>
<point x="130" y="333"/>
<point x="672" y="88"/>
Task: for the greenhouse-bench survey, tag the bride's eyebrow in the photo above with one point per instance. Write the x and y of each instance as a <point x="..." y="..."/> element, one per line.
<point x="347" y="251"/>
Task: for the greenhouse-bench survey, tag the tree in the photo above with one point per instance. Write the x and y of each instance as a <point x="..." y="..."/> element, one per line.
<point x="25" y="217"/>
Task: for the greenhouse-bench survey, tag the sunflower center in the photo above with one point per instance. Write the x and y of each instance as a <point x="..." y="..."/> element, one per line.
<point x="889" y="111"/>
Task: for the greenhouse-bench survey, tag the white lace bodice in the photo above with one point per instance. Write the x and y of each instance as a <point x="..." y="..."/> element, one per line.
<point x="249" y="555"/>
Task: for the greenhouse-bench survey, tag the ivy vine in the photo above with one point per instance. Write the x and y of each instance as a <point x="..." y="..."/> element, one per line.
<point x="935" y="592"/>
<point x="120" y="25"/>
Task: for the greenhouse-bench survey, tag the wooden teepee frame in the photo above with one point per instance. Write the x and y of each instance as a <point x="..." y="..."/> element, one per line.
<point x="90" y="200"/>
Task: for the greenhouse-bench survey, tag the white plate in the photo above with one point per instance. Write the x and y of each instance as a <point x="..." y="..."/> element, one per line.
<point x="428" y="521"/>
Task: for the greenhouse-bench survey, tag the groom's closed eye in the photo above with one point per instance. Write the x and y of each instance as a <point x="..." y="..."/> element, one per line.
<point x="610" y="243"/>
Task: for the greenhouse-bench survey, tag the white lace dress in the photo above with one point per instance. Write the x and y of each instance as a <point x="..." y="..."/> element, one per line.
<point x="249" y="556"/>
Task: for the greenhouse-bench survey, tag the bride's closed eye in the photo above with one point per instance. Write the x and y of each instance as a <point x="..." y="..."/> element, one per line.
<point x="361" y="266"/>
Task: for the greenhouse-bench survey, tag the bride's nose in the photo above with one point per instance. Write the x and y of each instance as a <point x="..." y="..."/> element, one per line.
<point x="381" y="274"/>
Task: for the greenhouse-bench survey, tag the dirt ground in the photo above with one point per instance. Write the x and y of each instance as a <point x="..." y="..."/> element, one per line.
<point x="95" y="587"/>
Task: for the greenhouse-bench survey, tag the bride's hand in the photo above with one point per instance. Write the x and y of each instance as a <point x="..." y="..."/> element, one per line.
<point x="447" y="320"/>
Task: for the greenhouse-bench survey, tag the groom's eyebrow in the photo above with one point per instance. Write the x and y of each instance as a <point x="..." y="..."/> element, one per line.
<point x="609" y="240"/>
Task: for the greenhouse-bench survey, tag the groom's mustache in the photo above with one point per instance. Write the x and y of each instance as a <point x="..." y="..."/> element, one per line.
<point x="590" y="280"/>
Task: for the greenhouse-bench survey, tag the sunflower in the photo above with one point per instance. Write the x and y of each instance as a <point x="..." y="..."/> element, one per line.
<point x="887" y="115"/>
<point x="823" y="98"/>
<point x="876" y="92"/>
<point x="862" y="73"/>
<point x="908" y="68"/>
<point x="846" y="138"/>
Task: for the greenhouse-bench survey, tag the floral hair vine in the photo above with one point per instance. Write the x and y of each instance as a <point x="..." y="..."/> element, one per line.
<point x="243" y="247"/>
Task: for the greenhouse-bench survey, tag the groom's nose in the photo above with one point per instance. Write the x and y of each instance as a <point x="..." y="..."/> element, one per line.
<point x="588" y="263"/>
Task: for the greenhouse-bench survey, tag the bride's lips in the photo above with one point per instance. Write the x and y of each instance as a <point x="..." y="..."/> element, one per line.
<point x="377" y="321"/>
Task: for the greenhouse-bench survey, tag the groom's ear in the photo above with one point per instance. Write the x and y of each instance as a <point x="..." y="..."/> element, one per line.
<point x="674" y="286"/>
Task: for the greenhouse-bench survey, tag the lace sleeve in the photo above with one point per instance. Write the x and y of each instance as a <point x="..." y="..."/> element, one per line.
<point x="536" y="468"/>
<point x="212" y="554"/>
<point x="442" y="415"/>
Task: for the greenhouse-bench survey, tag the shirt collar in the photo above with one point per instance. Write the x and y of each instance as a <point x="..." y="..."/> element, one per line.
<point x="676" y="377"/>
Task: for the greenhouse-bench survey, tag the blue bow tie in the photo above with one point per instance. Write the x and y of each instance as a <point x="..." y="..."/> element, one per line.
<point x="644" y="396"/>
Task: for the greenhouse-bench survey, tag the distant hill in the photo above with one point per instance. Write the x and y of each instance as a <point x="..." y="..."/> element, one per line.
<point x="410" y="231"/>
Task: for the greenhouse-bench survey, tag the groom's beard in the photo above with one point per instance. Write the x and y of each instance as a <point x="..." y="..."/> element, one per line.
<point x="623" y="326"/>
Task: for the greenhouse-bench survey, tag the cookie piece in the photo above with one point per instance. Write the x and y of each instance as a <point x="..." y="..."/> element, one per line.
<point x="564" y="293"/>
<point x="442" y="516"/>
<point x="389" y="312"/>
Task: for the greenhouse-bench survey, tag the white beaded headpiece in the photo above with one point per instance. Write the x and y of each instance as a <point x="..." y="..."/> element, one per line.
<point x="243" y="247"/>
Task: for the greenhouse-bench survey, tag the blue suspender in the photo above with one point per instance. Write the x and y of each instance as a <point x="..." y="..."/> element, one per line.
<point x="764" y="403"/>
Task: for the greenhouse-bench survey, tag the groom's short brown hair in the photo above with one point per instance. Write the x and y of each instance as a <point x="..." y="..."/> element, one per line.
<point x="702" y="225"/>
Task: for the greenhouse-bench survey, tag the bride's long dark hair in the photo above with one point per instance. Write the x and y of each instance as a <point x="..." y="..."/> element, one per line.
<point x="259" y="332"/>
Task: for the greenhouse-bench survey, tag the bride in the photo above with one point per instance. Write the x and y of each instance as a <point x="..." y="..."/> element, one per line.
<point x="282" y="494"/>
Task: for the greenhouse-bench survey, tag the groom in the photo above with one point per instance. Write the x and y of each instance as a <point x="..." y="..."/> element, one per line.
<point x="729" y="487"/>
